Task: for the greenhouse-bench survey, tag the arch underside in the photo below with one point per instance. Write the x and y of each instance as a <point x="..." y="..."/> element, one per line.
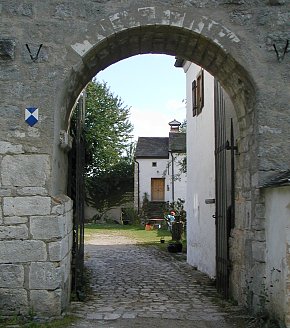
<point x="169" y="40"/>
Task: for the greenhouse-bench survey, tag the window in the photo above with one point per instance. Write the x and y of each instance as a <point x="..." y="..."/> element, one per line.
<point x="198" y="94"/>
<point x="154" y="164"/>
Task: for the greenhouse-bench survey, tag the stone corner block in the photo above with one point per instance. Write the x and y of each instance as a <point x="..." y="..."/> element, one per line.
<point x="61" y="204"/>
<point x="69" y="221"/>
<point x="57" y="250"/>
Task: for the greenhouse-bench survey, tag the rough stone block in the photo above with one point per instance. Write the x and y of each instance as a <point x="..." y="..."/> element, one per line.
<point x="68" y="205"/>
<point x="70" y="240"/>
<point x="46" y="302"/>
<point x="44" y="275"/>
<point x="5" y="192"/>
<point x="258" y="223"/>
<point x="11" y="276"/>
<point x="61" y="204"/>
<point x="276" y="2"/>
<point x="47" y="227"/>
<point x="10" y="220"/>
<point x="66" y="266"/>
<point x="25" y="170"/>
<point x="32" y="191"/>
<point x="13" y="301"/>
<point x="260" y="235"/>
<point x="7" y="49"/>
<point x="68" y="222"/>
<point x="260" y="210"/>
<point x="20" y="9"/>
<point x="259" y="251"/>
<point x="22" y="206"/>
<point x="58" y="250"/>
<point x="14" y="232"/>
<point x="1" y="216"/>
<point x="8" y="148"/>
<point x="55" y="251"/>
<point x="58" y="209"/>
<point x="22" y="251"/>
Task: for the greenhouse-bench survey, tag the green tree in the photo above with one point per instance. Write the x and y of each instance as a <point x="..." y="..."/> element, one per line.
<point x="109" y="159"/>
<point x="107" y="128"/>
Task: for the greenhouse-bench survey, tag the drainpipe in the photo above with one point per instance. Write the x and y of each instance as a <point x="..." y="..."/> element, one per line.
<point x="138" y="184"/>
<point x="172" y="176"/>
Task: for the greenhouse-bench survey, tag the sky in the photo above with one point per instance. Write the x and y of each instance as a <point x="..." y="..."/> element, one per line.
<point x="153" y="89"/>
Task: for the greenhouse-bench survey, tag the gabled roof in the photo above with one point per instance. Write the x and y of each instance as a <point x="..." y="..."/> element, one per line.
<point x="152" y="147"/>
<point x="280" y="180"/>
<point x="177" y="142"/>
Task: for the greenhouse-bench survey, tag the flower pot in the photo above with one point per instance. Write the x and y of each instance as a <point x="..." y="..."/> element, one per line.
<point x="147" y="227"/>
<point x="174" y="248"/>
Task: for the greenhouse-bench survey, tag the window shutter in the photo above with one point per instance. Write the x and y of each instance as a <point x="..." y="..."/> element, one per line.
<point x="193" y="95"/>
<point x="200" y="92"/>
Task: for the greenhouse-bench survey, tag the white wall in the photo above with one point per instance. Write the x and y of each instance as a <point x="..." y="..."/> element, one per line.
<point x="114" y="213"/>
<point x="277" y="215"/>
<point x="181" y="179"/>
<point x="200" y="177"/>
<point x="162" y="170"/>
<point x="147" y="171"/>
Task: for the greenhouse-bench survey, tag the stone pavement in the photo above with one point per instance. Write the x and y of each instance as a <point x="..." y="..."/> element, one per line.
<point x="136" y="286"/>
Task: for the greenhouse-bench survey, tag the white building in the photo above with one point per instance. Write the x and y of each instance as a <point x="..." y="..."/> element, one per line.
<point x="203" y="95"/>
<point x="158" y="168"/>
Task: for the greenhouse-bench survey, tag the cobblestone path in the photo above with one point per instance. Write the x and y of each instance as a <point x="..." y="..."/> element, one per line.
<point x="136" y="286"/>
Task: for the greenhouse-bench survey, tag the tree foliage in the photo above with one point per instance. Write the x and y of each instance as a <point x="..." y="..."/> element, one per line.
<point x="107" y="128"/>
<point x="109" y="158"/>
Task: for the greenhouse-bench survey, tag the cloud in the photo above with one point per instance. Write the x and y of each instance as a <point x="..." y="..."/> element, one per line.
<point x="151" y="122"/>
<point x="175" y="105"/>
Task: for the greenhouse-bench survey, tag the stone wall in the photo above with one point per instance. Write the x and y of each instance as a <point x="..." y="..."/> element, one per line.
<point x="35" y="237"/>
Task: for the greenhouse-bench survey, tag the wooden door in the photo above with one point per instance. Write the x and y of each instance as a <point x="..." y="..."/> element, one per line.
<point x="225" y="191"/>
<point x="157" y="189"/>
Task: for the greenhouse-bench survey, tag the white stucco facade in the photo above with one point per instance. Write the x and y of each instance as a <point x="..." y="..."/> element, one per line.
<point x="200" y="176"/>
<point x="277" y="277"/>
<point x="200" y="194"/>
<point x="162" y="169"/>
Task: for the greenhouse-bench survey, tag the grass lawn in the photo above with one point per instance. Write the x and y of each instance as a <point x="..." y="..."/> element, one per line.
<point x="18" y="321"/>
<point x="136" y="232"/>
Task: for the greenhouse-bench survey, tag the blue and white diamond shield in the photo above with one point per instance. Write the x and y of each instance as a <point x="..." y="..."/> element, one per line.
<point x="31" y="115"/>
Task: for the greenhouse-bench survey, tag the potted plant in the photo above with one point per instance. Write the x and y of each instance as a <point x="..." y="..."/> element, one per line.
<point x="177" y="226"/>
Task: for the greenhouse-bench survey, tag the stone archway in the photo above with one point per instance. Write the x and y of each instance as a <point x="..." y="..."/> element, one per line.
<point x="173" y="40"/>
<point x="232" y="40"/>
<point x="203" y="50"/>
